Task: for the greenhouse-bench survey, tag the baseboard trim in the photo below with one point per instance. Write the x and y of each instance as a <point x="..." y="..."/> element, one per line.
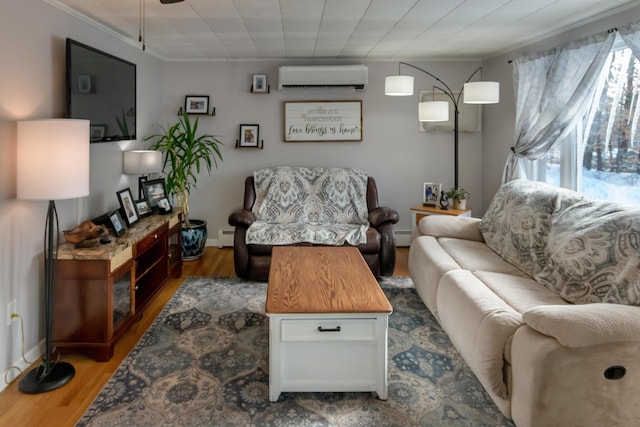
<point x="34" y="354"/>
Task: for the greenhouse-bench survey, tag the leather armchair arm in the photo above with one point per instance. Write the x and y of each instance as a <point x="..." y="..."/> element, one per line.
<point x="380" y="215"/>
<point x="241" y="218"/>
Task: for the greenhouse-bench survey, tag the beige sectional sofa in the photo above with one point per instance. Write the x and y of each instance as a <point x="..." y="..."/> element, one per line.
<point x="541" y="298"/>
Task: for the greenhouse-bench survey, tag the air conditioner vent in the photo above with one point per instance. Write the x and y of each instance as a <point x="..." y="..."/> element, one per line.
<point x="341" y="77"/>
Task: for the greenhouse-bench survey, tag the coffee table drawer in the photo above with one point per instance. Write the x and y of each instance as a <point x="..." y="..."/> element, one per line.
<point x="308" y="330"/>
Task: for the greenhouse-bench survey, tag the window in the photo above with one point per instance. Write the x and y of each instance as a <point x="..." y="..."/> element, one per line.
<point x="601" y="156"/>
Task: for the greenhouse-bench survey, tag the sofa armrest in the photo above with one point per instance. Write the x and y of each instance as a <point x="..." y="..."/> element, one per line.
<point x="585" y="325"/>
<point x="381" y="214"/>
<point x="451" y="226"/>
<point x="241" y="218"/>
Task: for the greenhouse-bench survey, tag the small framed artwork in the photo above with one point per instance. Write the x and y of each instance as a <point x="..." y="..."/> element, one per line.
<point x="142" y="206"/>
<point x="164" y="207"/>
<point x="196" y="104"/>
<point x="249" y="135"/>
<point x="128" y="208"/>
<point x="259" y="83"/>
<point x="84" y="83"/>
<point x="431" y="193"/>
<point x="117" y="223"/>
<point x="154" y="190"/>
<point x="97" y="132"/>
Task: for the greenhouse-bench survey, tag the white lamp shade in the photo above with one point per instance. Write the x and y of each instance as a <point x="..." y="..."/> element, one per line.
<point x="53" y="158"/>
<point x="433" y="111"/>
<point x="481" y="93"/>
<point x="398" y="85"/>
<point x="142" y="162"/>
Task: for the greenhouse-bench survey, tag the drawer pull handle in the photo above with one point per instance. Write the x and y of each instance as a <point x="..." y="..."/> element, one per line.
<point x="321" y="329"/>
<point x="155" y="236"/>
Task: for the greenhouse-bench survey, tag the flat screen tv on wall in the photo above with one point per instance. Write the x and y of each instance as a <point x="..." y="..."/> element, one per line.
<point x="101" y="88"/>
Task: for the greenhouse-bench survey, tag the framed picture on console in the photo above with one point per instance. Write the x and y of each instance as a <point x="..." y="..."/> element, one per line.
<point x="431" y="193"/>
<point x="127" y="206"/>
<point x="117" y="223"/>
<point x="142" y="206"/>
<point x="154" y="191"/>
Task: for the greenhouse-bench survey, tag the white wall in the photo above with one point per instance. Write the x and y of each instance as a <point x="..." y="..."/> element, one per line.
<point x="32" y="86"/>
<point x="499" y="122"/>
<point x="393" y="150"/>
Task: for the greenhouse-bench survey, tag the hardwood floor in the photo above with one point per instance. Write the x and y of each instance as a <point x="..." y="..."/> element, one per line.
<point x="64" y="406"/>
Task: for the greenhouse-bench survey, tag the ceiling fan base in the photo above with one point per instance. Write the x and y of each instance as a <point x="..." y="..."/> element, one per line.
<point x="170" y="1"/>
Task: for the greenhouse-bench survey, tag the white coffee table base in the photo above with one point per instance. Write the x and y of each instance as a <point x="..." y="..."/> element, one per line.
<point x="328" y="352"/>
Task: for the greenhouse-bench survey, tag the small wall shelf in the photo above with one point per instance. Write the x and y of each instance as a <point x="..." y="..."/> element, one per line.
<point x="213" y="112"/>
<point x="264" y="92"/>
<point x="244" y="147"/>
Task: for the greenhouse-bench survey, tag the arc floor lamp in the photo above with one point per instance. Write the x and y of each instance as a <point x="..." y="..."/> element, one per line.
<point x="52" y="164"/>
<point x="480" y="92"/>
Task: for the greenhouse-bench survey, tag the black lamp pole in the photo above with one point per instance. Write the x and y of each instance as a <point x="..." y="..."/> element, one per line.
<point x="48" y="375"/>
<point x="456" y="112"/>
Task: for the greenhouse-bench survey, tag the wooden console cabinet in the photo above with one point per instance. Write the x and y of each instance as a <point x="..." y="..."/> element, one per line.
<point x="99" y="292"/>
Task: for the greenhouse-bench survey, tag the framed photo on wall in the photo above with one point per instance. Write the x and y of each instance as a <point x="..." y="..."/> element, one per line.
<point x="128" y="208"/>
<point x="154" y="191"/>
<point x="259" y="83"/>
<point x="196" y="104"/>
<point x="431" y="193"/>
<point x="249" y="135"/>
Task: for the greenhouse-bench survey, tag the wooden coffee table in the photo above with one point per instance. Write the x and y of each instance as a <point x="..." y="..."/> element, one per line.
<point x="328" y="321"/>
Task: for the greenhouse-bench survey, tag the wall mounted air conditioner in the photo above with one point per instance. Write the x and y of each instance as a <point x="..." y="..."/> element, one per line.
<point x="349" y="77"/>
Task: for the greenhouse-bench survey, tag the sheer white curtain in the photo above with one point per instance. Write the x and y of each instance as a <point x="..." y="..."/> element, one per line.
<point x="631" y="36"/>
<point x="553" y="89"/>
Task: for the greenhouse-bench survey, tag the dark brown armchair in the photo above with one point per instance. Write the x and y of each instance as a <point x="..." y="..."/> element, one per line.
<point x="252" y="261"/>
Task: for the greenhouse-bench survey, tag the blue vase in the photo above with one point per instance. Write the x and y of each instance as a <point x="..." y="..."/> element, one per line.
<point x="194" y="239"/>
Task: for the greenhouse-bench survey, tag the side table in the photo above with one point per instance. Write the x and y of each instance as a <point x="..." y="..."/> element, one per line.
<point x="419" y="211"/>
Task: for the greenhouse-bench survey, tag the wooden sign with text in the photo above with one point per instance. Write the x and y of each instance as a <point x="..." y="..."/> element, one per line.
<point x="330" y="121"/>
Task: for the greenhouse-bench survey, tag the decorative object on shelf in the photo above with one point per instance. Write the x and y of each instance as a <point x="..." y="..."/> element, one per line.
<point x="196" y="104"/>
<point x="154" y="190"/>
<point x="444" y="201"/>
<point x="128" y="208"/>
<point x="430" y="193"/>
<point x="459" y="197"/>
<point x="142" y="163"/>
<point x="97" y="132"/>
<point x="249" y="137"/>
<point x="185" y="153"/>
<point x="85" y="235"/>
<point x="481" y="92"/>
<point x="44" y="150"/>
<point x="142" y="206"/>
<point x="84" y="83"/>
<point x="321" y="121"/>
<point x="259" y="84"/>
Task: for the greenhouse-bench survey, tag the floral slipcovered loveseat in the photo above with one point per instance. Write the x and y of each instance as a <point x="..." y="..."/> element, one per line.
<point x="541" y="298"/>
<point x="311" y="206"/>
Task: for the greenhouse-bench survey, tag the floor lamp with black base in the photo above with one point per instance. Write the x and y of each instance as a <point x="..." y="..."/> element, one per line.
<point x="53" y="164"/>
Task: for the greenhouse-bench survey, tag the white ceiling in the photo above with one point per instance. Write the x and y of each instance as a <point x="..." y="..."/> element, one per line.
<point x="367" y="29"/>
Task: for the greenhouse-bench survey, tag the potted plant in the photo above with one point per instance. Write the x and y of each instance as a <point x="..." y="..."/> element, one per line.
<point x="459" y="197"/>
<point x="185" y="153"/>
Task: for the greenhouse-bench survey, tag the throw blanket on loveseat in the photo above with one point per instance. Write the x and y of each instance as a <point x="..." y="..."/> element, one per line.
<point x="325" y="206"/>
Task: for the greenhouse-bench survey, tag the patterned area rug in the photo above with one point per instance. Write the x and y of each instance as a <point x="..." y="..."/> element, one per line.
<point x="204" y="362"/>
